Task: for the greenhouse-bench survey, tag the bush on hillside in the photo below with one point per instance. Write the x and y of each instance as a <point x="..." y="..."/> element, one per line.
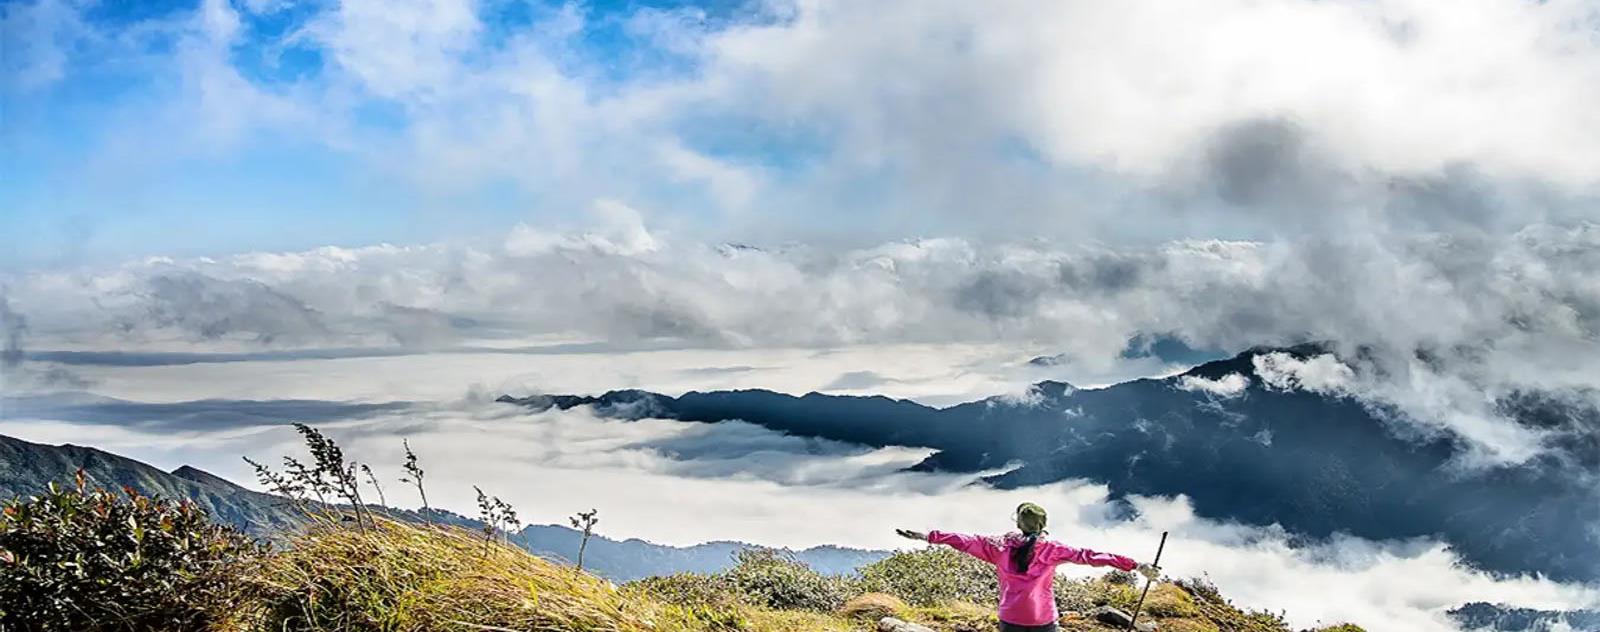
<point x="688" y="589"/>
<point x="770" y="578"/>
<point x="1074" y="595"/>
<point x="932" y="576"/>
<point x="1201" y="588"/>
<point x="84" y="558"/>
<point x="1121" y="577"/>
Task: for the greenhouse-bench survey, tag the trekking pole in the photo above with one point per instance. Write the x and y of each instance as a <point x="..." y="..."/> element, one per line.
<point x="1147" y="582"/>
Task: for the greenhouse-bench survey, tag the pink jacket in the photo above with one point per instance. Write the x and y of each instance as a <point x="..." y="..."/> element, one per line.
<point x="1027" y="598"/>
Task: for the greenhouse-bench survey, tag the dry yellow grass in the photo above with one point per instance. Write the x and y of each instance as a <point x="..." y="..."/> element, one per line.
<point x="1170" y="601"/>
<point x="405" y="577"/>
<point x="956" y="616"/>
<point x="873" y="606"/>
<point x="400" y="577"/>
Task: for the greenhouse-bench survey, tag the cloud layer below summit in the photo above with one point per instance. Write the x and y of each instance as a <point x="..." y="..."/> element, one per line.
<point x="1431" y="326"/>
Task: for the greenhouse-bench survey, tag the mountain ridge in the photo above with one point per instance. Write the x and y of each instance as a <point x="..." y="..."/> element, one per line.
<point x="1316" y="463"/>
<point x="27" y="467"/>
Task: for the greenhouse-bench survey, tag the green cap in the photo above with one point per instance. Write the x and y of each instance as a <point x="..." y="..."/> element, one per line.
<point x="1030" y="518"/>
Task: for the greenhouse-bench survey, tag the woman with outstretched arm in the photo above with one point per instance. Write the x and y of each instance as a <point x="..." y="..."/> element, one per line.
<point x="1026" y="564"/>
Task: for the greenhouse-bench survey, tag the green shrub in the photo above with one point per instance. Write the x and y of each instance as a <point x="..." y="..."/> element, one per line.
<point x="933" y="576"/>
<point x="1118" y="577"/>
<point x="770" y="578"/>
<point x="1120" y="596"/>
<point x="1202" y="589"/>
<point x="90" y="559"/>
<point x="1119" y="589"/>
<point x="688" y="589"/>
<point x="1078" y="595"/>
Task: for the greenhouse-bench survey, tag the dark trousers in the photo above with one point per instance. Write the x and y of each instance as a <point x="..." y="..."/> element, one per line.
<point x="1012" y="627"/>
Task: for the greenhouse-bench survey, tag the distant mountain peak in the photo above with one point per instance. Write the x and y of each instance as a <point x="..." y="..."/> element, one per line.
<point x="1054" y="388"/>
<point x="1049" y="360"/>
<point x="1243" y="363"/>
<point x="203" y="477"/>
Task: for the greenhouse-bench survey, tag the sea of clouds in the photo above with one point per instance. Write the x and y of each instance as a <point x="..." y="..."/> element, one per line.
<point x="1439" y="328"/>
<point x="683" y="483"/>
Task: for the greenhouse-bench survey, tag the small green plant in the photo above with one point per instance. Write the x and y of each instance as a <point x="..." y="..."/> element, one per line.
<point x="310" y="478"/>
<point x="413" y="476"/>
<point x="329" y="477"/>
<point x="84" y="558"/>
<point x="279" y="484"/>
<point x="585" y="522"/>
<point x="497" y="515"/>
<point x="373" y="479"/>
<point x="334" y="472"/>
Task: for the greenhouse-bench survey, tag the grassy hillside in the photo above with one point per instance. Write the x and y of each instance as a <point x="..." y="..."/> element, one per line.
<point x="27" y="468"/>
<point x="191" y="574"/>
<point x="83" y="557"/>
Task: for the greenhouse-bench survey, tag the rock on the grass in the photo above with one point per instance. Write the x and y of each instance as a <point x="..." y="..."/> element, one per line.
<point x="1110" y="615"/>
<point x="891" y="624"/>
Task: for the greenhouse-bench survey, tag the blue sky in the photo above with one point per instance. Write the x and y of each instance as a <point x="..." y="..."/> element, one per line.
<point x="134" y="129"/>
<point x="263" y="190"/>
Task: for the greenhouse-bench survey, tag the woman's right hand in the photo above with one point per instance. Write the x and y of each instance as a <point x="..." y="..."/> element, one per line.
<point x="911" y="535"/>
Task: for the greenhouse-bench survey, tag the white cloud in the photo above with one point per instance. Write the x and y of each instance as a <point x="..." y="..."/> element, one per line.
<point x="621" y="231"/>
<point x="935" y="374"/>
<point x="1323" y="373"/>
<point x="1230" y="385"/>
<point x="399" y="49"/>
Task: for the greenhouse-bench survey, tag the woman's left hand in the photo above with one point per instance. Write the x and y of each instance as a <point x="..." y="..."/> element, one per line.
<point x="1150" y="572"/>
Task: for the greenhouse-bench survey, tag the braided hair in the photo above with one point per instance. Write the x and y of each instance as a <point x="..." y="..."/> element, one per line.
<point x="1022" y="556"/>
